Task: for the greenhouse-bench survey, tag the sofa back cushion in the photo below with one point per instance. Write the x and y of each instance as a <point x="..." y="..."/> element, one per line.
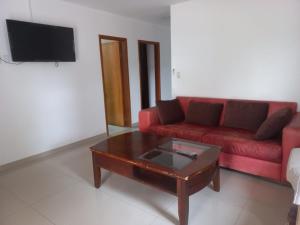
<point x="170" y="111"/>
<point x="207" y="114"/>
<point x="273" y="105"/>
<point x="273" y="126"/>
<point x="245" y="114"/>
<point x="185" y="102"/>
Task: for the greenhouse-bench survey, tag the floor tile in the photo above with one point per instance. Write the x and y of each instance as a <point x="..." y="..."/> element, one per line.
<point x="258" y="213"/>
<point x="144" y="197"/>
<point x="35" y="182"/>
<point x="236" y="188"/>
<point x="77" y="164"/>
<point x="117" y="130"/>
<point x="9" y="204"/>
<point x="204" y="210"/>
<point x="272" y="193"/>
<point x="26" y="216"/>
<point x="83" y="204"/>
<point x="59" y="190"/>
<point x="214" y="212"/>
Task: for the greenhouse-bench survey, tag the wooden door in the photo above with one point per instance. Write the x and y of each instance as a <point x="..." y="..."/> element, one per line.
<point x="144" y="76"/>
<point x="112" y="74"/>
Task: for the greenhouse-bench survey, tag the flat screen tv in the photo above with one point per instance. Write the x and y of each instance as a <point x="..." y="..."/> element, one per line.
<point x="33" y="42"/>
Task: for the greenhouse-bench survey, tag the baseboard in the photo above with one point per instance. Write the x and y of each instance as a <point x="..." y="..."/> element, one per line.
<point x="31" y="159"/>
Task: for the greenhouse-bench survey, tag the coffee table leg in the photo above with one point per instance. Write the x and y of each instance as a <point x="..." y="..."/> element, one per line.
<point x="97" y="174"/>
<point x="183" y="202"/>
<point x="216" y="180"/>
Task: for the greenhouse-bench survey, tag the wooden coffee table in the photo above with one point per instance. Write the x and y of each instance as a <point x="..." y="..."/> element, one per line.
<point x="161" y="162"/>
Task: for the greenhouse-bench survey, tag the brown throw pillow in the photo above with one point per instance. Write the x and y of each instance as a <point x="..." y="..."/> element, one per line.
<point x="245" y="115"/>
<point x="170" y="111"/>
<point x="274" y="124"/>
<point x="202" y="113"/>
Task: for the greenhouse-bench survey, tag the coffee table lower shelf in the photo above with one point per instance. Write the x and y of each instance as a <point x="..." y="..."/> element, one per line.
<point x="178" y="187"/>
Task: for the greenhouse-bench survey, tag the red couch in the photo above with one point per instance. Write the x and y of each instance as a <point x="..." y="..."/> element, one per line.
<point x="240" y="150"/>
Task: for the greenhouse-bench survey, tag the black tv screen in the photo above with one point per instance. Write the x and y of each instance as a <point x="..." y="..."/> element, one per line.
<point x="33" y="42"/>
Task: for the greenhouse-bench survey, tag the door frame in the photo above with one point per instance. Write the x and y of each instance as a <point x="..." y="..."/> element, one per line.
<point x="157" y="68"/>
<point x="125" y="78"/>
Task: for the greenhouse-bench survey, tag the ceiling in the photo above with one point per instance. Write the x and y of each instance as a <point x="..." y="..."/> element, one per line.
<point x="152" y="11"/>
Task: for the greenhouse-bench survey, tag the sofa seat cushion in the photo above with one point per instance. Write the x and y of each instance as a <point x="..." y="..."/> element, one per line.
<point x="242" y="142"/>
<point x="181" y="130"/>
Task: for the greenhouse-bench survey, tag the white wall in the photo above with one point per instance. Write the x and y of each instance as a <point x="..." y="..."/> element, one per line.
<point x="236" y="49"/>
<point x="44" y="107"/>
<point x="151" y="74"/>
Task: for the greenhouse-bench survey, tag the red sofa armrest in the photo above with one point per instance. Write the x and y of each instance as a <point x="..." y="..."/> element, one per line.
<point x="147" y="118"/>
<point x="290" y="140"/>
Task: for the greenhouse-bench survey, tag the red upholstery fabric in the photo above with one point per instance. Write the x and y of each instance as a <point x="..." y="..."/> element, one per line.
<point x="273" y="126"/>
<point x="250" y="165"/>
<point x="170" y="111"/>
<point x="148" y="118"/>
<point x="206" y="114"/>
<point x="273" y="105"/>
<point x="245" y="115"/>
<point x="181" y="130"/>
<point x="241" y="142"/>
<point x="185" y="101"/>
<point x="149" y="121"/>
<point x="290" y="140"/>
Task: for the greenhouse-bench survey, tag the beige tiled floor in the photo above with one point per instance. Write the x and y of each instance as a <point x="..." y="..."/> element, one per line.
<point x="59" y="190"/>
<point x="116" y="129"/>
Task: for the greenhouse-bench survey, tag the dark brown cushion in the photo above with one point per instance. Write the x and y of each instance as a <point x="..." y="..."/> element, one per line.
<point x="202" y="113"/>
<point x="245" y="114"/>
<point x="170" y="111"/>
<point x="273" y="126"/>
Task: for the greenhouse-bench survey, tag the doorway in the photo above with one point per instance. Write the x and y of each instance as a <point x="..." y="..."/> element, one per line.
<point x="115" y="76"/>
<point x="149" y="63"/>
